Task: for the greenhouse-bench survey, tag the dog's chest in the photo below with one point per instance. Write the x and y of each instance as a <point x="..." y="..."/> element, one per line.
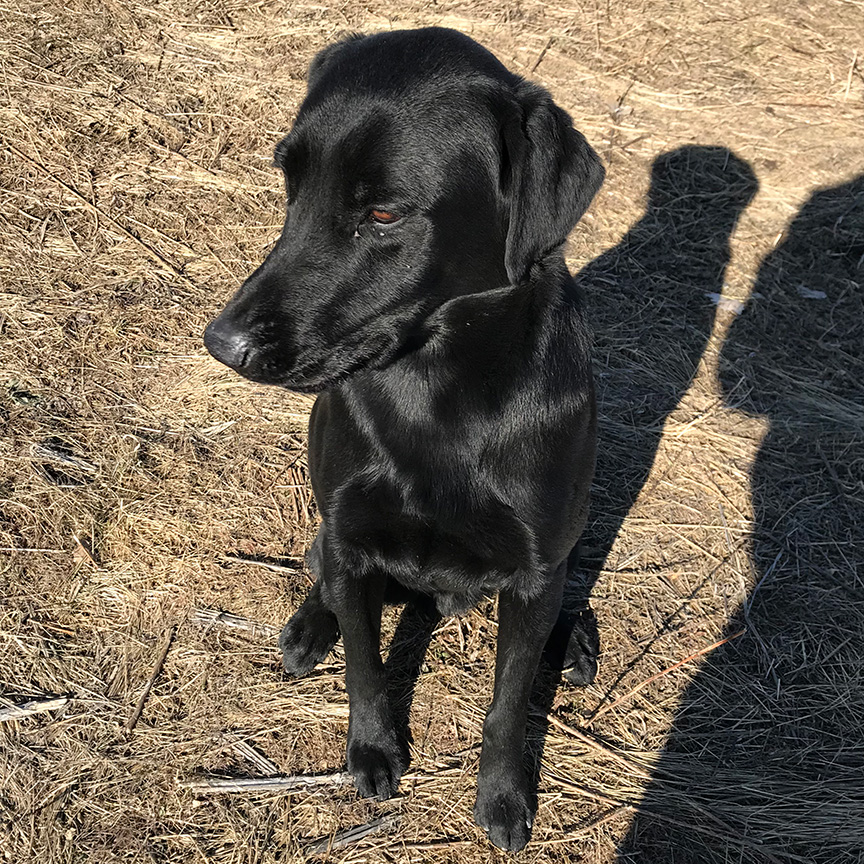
<point x="455" y="546"/>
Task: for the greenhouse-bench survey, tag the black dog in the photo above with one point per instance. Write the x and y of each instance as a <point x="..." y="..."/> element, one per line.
<point x="419" y="287"/>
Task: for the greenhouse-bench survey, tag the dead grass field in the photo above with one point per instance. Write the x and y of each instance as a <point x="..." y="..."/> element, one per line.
<point x="136" y="474"/>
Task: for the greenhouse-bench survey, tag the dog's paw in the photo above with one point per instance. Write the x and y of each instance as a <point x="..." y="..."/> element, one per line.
<point x="376" y="763"/>
<point x="573" y="646"/>
<point x="504" y="811"/>
<point x="580" y="657"/>
<point x="307" y="639"/>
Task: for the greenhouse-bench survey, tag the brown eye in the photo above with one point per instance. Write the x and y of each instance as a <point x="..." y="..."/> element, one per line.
<point x="383" y="217"/>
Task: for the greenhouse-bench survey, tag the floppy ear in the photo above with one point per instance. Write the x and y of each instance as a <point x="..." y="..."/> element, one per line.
<point x="550" y="178"/>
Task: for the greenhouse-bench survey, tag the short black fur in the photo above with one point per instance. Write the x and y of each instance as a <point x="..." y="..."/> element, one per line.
<point x="419" y="288"/>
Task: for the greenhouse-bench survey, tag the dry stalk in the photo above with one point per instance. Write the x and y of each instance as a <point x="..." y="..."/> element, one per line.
<point x="288" y="783"/>
<point x="642" y="684"/>
<point x="598" y="746"/>
<point x="34" y="706"/>
<point x="353" y="835"/>
<point x="267" y="565"/>
<point x="569" y="836"/>
<point x="157" y="668"/>
<point x="253" y="755"/>
<point x="215" y="618"/>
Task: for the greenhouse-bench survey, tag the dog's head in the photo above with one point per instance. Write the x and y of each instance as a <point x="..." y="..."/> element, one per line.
<point x="418" y="169"/>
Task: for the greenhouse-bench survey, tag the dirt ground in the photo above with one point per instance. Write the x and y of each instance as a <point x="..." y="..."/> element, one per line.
<point x="142" y="485"/>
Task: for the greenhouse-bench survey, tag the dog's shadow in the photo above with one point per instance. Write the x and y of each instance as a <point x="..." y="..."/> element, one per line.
<point x="769" y="737"/>
<point x="652" y="316"/>
<point x="417" y="622"/>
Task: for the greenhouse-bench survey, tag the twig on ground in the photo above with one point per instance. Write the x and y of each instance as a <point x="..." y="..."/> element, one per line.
<point x="542" y="54"/>
<point x="605" y="708"/>
<point x="269" y="565"/>
<point x="35" y="706"/>
<point x="215" y="618"/>
<point x="55" y="453"/>
<point x="284" y="783"/>
<point x="352" y="835"/>
<point x="253" y="755"/>
<point x="157" y="668"/>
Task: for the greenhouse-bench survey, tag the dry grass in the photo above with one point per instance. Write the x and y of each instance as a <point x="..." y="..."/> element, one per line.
<point x="136" y="475"/>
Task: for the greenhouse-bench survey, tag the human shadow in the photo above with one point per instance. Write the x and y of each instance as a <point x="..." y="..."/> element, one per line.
<point x="652" y="318"/>
<point x="765" y="759"/>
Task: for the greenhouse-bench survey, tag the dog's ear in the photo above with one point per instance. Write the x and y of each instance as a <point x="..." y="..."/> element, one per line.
<point x="326" y="56"/>
<point x="549" y="177"/>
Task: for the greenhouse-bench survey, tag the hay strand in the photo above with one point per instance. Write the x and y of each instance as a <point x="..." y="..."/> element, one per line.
<point x="643" y="684"/>
<point x="230" y="621"/>
<point x="383" y="824"/>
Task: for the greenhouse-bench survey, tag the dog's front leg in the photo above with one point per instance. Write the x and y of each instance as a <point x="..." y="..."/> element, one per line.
<point x="310" y="634"/>
<point x="504" y="806"/>
<point x="376" y="755"/>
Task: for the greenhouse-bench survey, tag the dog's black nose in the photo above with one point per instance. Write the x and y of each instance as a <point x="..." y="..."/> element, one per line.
<point x="228" y="344"/>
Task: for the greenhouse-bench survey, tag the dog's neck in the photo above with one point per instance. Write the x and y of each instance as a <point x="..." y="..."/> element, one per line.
<point x="481" y="351"/>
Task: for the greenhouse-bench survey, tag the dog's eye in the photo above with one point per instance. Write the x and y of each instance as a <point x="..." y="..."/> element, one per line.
<point x="383" y="217"/>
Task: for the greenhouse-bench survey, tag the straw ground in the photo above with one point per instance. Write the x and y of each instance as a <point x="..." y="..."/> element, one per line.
<point x="140" y="481"/>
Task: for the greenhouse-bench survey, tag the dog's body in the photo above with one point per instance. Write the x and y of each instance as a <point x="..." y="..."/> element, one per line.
<point x="418" y="286"/>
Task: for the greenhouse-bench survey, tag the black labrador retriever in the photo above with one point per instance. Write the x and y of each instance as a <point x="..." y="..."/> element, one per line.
<point x="418" y="286"/>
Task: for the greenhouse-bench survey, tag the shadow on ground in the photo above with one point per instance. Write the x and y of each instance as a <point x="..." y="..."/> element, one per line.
<point x="765" y="760"/>
<point x="652" y="321"/>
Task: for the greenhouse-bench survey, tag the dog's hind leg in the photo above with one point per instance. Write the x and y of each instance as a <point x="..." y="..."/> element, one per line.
<point x="574" y="643"/>
<point x="310" y="634"/>
<point x="313" y="629"/>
